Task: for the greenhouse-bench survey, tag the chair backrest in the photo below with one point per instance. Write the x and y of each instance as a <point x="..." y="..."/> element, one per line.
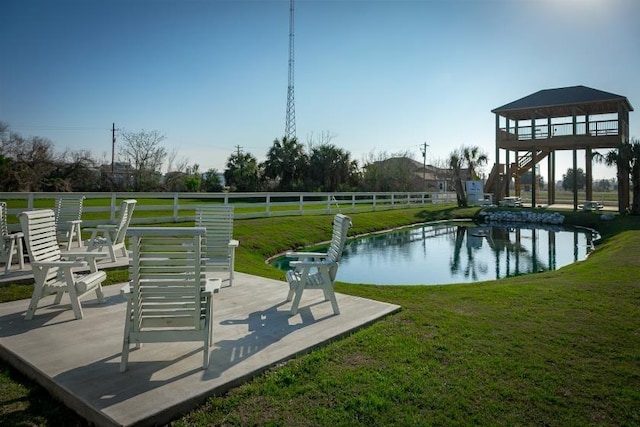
<point x="68" y="209"/>
<point x="218" y="220"/>
<point x="126" y="213"/>
<point x="39" y="229"/>
<point x="4" y="228"/>
<point x="167" y="277"/>
<point x="341" y="224"/>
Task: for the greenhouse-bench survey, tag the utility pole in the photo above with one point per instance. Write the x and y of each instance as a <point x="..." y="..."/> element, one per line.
<point x="423" y="149"/>
<point x="113" y="146"/>
<point x="239" y="152"/>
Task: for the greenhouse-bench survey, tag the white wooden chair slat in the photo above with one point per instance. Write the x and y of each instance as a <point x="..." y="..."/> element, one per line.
<point x="113" y="236"/>
<point x="69" y="219"/>
<point x="42" y="253"/>
<point x="53" y="275"/>
<point x="219" y="245"/>
<point x="169" y="290"/>
<point x="169" y="297"/>
<point x="316" y="270"/>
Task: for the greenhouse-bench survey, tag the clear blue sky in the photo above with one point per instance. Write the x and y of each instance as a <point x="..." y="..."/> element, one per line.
<point x="385" y="75"/>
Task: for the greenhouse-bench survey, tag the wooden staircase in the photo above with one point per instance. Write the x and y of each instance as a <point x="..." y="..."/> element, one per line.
<point x="525" y="162"/>
<point x="499" y="179"/>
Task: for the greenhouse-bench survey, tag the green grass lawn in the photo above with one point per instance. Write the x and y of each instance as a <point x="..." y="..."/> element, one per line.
<point x="559" y="348"/>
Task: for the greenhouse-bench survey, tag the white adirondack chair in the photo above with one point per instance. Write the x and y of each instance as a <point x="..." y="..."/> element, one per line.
<point x="69" y="219"/>
<point x="220" y="244"/>
<point x="317" y="270"/>
<point x="113" y="236"/>
<point x="53" y="274"/>
<point x="169" y="297"/>
<point x="11" y="243"/>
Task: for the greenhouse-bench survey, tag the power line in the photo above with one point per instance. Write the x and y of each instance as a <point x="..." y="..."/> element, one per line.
<point x="55" y="128"/>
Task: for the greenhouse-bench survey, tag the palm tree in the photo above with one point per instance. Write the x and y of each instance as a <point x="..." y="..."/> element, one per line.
<point x="242" y="173"/>
<point x="627" y="158"/>
<point x="469" y="159"/>
<point x="329" y="167"/>
<point x="474" y="159"/>
<point x="455" y="163"/>
<point x="286" y="161"/>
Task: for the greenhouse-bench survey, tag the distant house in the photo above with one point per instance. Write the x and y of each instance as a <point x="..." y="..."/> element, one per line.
<point x="120" y="173"/>
<point x="423" y="177"/>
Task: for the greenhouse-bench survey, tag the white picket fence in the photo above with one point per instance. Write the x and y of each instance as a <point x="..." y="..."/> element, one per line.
<point x="154" y="208"/>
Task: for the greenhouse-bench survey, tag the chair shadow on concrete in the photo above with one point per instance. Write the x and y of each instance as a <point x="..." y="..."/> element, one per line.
<point x="103" y="385"/>
<point x="50" y="315"/>
<point x="263" y="329"/>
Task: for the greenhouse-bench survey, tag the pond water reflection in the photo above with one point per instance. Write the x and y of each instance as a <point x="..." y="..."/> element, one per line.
<point x="457" y="253"/>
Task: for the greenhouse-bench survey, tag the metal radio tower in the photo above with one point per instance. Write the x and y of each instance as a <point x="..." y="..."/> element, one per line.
<point x="290" y="125"/>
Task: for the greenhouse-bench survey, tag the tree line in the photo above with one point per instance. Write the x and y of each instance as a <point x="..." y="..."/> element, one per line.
<point x="31" y="164"/>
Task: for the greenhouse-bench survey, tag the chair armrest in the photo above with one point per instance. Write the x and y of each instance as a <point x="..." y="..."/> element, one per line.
<point x="88" y="255"/>
<point x="11" y="236"/>
<point x="306" y="254"/>
<point x="211" y="287"/>
<point x="312" y="263"/>
<point x="90" y="258"/>
<point x="125" y="291"/>
<point x="309" y="256"/>
<point x="50" y="264"/>
<point x="74" y="221"/>
<point x="233" y="243"/>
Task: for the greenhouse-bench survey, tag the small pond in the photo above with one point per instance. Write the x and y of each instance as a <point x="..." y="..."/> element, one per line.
<point x="459" y="252"/>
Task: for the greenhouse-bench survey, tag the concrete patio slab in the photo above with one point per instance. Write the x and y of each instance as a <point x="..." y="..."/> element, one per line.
<point x="78" y="361"/>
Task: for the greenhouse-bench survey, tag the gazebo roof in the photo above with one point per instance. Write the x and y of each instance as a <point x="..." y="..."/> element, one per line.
<point x="559" y="102"/>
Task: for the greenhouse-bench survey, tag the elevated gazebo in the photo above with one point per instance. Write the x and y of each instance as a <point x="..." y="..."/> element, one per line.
<point x="533" y="128"/>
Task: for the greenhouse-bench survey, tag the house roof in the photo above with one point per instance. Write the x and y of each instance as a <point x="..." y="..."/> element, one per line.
<point x="559" y="102"/>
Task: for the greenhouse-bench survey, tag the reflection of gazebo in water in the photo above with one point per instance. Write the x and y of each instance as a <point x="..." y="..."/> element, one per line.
<point x="573" y="118"/>
<point x="517" y="248"/>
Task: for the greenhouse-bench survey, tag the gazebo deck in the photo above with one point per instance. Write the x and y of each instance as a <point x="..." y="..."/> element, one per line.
<point x="78" y="361"/>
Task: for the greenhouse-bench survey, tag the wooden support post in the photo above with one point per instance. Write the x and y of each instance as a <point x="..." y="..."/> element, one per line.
<point x="551" y="185"/>
<point x="575" y="159"/>
<point x="589" y="174"/>
<point x="496" y="180"/>
<point x="516" y="173"/>
<point x="588" y="161"/>
<point x="507" y="175"/>
<point x="533" y="160"/>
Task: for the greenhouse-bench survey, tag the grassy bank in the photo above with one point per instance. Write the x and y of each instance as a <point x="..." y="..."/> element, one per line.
<point x="557" y="348"/>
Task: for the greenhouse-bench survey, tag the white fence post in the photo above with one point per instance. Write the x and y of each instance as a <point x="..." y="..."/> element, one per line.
<point x="175" y="207"/>
<point x="112" y="208"/>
